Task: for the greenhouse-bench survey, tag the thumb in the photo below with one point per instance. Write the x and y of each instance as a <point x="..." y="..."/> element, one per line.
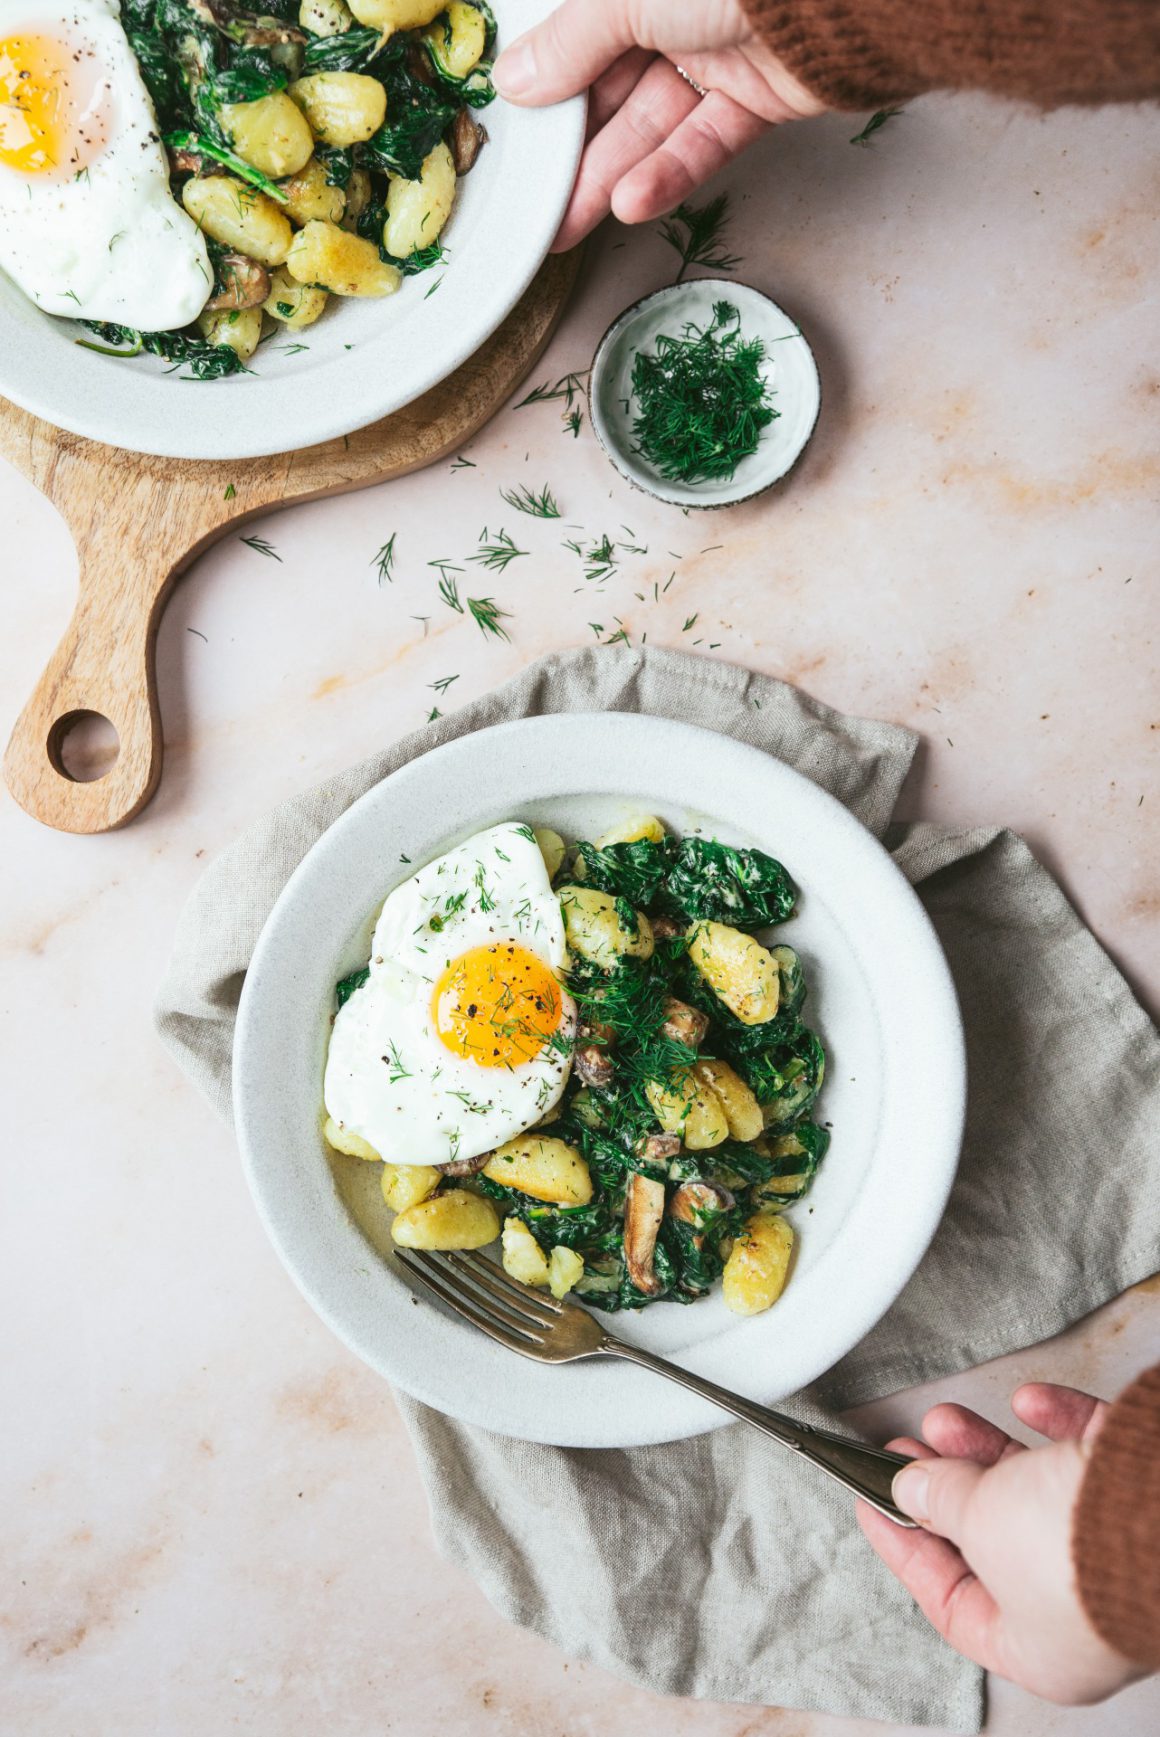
<point x="937" y="1492"/>
<point x="565" y="53"/>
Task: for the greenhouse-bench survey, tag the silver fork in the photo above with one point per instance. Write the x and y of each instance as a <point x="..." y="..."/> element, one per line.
<point x="536" y="1325"/>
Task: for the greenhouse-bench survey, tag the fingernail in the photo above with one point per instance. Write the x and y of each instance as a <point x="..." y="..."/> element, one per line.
<point x="911" y="1492"/>
<point x="514" y="72"/>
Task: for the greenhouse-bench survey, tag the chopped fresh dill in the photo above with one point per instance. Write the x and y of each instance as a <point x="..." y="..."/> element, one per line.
<point x="600" y="561"/>
<point x="448" y="587"/>
<point x="462" y="463"/>
<point x="568" y="387"/>
<point x="230" y="493"/>
<point x="702" y="401"/>
<point x="398" y="1071"/>
<point x="695" y="232"/>
<point x="385" y="559"/>
<point x="433" y="714"/>
<point x="496" y="555"/>
<point x="877" y="120"/>
<point x="486" y="902"/>
<point x="487" y="614"/>
<point x="691" y="622"/>
<point x="442" y="685"/>
<point x="541" y="506"/>
<point x="260" y="545"/>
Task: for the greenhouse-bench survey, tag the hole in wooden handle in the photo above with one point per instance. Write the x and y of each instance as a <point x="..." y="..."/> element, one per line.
<point x="83" y="746"/>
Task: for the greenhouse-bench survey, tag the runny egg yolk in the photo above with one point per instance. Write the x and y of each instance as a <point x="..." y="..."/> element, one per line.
<point x="496" y="1005"/>
<point x="52" y="98"/>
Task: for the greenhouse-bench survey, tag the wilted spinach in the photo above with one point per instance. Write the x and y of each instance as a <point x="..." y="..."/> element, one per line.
<point x="630" y="871"/>
<point x="345" y="988"/>
<point x="722" y="884"/>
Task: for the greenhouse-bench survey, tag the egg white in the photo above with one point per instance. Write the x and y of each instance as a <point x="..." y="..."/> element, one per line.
<point x="389" y="1076"/>
<point x="107" y="242"/>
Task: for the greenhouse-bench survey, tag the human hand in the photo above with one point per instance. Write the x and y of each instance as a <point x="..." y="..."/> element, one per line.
<point x="652" y="136"/>
<point x="992" y="1568"/>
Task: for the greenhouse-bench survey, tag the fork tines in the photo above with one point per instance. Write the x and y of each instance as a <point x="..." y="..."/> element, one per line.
<point x="482" y="1293"/>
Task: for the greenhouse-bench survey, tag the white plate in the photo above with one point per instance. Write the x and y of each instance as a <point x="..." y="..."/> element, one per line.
<point x="505" y="217"/>
<point x="880" y="995"/>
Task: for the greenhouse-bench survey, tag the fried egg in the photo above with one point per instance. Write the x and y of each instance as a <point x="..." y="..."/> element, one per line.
<point x="88" y="227"/>
<point x="461" y="1036"/>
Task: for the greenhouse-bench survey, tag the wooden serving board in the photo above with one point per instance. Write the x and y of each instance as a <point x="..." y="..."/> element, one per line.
<point x="139" y="522"/>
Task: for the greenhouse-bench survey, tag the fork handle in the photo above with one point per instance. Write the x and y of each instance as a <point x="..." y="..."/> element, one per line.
<point x="867" y="1471"/>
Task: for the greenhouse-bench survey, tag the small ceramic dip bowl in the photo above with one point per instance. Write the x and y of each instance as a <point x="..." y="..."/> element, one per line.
<point x="789" y="369"/>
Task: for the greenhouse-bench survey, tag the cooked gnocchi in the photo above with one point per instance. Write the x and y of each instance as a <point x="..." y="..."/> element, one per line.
<point x="684" y="1132"/>
<point x="602" y="928"/>
<point x="328" y="258"/>
<point x="338" y="124"/>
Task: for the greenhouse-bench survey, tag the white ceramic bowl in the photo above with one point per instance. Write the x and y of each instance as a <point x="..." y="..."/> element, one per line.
<point x="880" y="994"/>
<point x="789" y="370"/>
<point x="507" y="213"/>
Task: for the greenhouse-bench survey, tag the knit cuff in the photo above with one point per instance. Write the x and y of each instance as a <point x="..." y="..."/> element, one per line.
<point x="861" y="54"/>
<point x="1116" y="1528"/>
<point x="843" y="54"/>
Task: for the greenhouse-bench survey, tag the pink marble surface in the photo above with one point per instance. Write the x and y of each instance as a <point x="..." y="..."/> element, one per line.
<point x="210" y="1517"/>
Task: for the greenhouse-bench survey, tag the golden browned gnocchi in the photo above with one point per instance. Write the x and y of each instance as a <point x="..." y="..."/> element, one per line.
<point x="352" y="1145"/>
<point x="405" y="1185"/>
<point x="388" y="16"/>
<point x="343" y="108"/>
<point x="309" y="196"/>
<point x="239" y="217"/>
<point x="543" y="1167"/>
<point x="601" y="929"/>
<point x="523" y="1258"/>
<point x="738" y="1101"/>
<point x="458" y="38"/>
<point x="455" y="1220"/>
<point x="758" y="1264"/>
<point x="630" y="831"/>
<point x="237" y="328"/>
<point x="691" y="1108"/>
<point x="417" y="210"/>
<point x="294" y="305"/>
<point x="270" y="134"/>
<point x="738" y="969"/>
<point x="332" y="259"/>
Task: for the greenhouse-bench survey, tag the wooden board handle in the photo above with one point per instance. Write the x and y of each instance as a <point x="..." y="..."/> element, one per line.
<point x="139" y="522"/>
<point x="104" y="664"/>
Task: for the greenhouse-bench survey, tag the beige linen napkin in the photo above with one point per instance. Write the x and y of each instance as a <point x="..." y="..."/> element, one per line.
<point x="722" y="1567"/>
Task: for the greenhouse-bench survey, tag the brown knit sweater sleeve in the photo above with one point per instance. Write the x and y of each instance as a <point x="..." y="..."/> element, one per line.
<point x="1116" y="1530"/>
<point x="857" y="54"/>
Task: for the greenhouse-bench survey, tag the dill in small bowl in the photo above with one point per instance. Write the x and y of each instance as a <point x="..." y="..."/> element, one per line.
<point x="703" y="400"/>
<point x="705" y="393"/>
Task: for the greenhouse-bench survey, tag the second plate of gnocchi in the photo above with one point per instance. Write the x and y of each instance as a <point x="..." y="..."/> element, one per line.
<point x="683" y="1038"/>
<point x="317" y="218"/>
